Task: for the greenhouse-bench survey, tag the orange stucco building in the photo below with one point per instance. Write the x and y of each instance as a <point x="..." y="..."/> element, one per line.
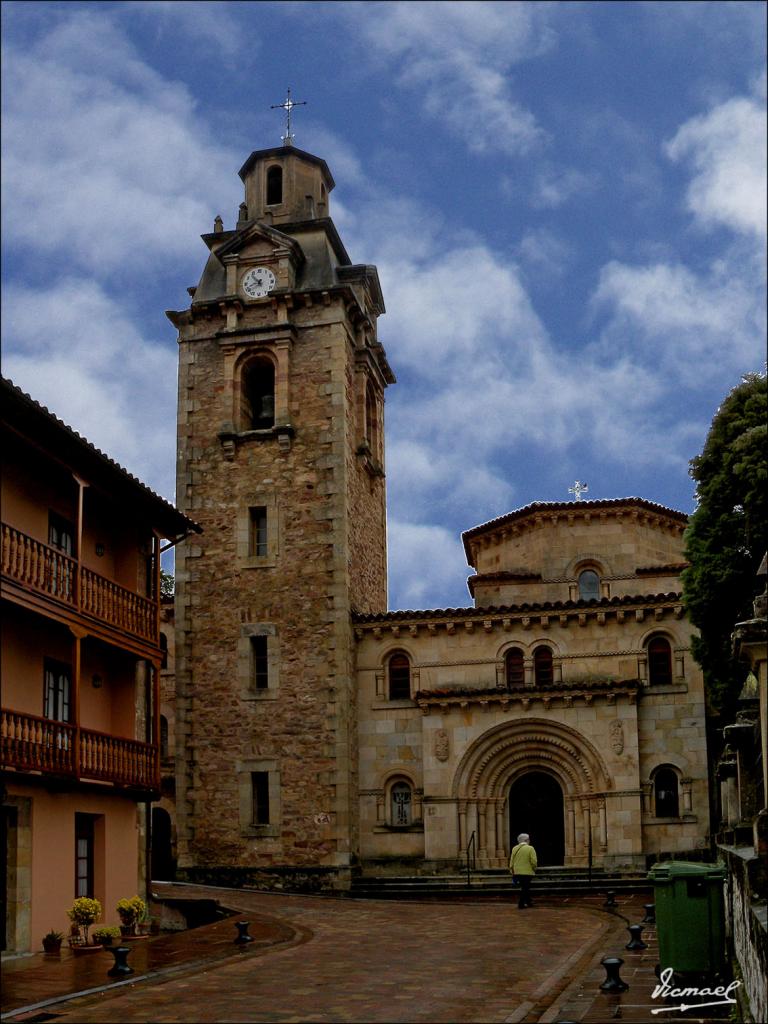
<point x="81" y="657"/>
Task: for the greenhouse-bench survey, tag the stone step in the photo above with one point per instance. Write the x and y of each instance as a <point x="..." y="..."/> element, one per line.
<point x="495" y="882"/>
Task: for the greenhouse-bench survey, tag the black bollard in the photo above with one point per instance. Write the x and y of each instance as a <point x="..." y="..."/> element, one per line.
<point x="613" y="982"/>
<point x="610" y="899"/>
<point x="242" y="933"/>
<point x="120" y="953"/>
<point x="635" y="940"/>
<point x="650" y="913"/>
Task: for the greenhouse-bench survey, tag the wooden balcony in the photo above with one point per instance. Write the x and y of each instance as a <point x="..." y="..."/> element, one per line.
<point x="33" y="744"/>
<point x="46" y="571"/>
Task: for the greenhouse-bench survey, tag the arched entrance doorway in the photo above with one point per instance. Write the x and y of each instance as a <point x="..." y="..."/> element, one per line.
<point x="163" y="866"/>
<point x="536" y="807"/>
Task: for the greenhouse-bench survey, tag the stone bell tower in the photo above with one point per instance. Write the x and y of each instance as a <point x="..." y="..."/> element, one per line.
<point x="281" y="461"/>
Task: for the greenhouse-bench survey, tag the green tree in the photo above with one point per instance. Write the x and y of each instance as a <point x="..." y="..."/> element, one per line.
<point x="727" y="535"/>
<point x="167" y="584"/>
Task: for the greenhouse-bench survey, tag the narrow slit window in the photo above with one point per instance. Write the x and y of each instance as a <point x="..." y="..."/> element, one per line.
<point x="163" y="736"/>
<point x="259" y="662"/>
<point x="260" y="798"/>
<point x="258" y="538"/>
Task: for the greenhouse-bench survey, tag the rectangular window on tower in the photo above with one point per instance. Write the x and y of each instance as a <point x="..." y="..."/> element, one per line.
<point x="259" y="798"/>
<point x="257" y="541"/>
<point x="259" y="662"/>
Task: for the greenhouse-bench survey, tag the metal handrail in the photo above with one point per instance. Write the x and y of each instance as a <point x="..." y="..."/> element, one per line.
<point x="471" y="864"/>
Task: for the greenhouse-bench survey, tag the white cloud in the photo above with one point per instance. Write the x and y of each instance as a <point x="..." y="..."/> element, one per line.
<point x="456" y="57"/>
<point x="212" y="24"/>
<point x="554" y="186"/>
<point x="74" y="350"/>
<point x="105" y="159"/>
<point x="699" y="325"/>
<point x="425" y="560"/>
<point x="727" y="147"/>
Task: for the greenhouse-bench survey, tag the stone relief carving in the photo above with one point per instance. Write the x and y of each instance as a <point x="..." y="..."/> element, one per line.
<point x="441" y="745"/>
<point x="617" y="736"/>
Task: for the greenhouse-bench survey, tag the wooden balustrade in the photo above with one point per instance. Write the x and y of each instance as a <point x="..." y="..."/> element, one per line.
<point x="42" y="744"/>
<point x="36" y="744"/>
<point x="115" y="759"/>
<point x="38" y="566"/>
<point x="51" y="572"/>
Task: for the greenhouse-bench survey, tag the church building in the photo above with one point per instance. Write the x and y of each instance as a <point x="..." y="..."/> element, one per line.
<point x="317" y="733"/>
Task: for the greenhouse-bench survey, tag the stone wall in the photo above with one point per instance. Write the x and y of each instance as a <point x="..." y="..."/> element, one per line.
<point x="748" y="928"/>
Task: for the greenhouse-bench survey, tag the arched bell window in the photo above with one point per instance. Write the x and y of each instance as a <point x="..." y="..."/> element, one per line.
<point x="666" y="793"/>
<point x="274" y="185"/>
<point x="589" y="585"/>
<point x="401" y="804"/>
<point x="515" y="667"/>
<point x="542" y="666"/>
<point x="399" y="676"/>
<point x="659" y="661"/>
<point x="258" y="395"/>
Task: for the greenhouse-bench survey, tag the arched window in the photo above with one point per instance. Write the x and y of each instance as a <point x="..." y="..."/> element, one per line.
<point x="515" y="667"/>
<point x="274" y="185"/>
<point x="163" y="736"/>
<point x="258" y="395"/>
<point x="399" y="674"/>
<point x="659" y="661"/>
<point x="542" y="666"/>
<point x="401" y="803"/>
<point x="665" y="792"/>
<point x="589" y="585"/>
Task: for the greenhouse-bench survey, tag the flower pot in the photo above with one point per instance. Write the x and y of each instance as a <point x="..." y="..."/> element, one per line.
<point x="52" y="946"/>
<point x="127" y="930"/>
<point x="80" y="950"/>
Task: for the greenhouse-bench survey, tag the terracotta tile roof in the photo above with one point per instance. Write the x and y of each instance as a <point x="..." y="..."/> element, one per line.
<point x="489" y="611"/>
<point x="21" y="410"/>
<point x="591" y="685"/>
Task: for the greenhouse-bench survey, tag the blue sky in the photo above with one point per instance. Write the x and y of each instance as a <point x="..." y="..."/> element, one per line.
<point x="566" y="204"/>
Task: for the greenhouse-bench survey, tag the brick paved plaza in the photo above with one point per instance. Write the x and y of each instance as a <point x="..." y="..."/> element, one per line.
<point x="319" y="959"/>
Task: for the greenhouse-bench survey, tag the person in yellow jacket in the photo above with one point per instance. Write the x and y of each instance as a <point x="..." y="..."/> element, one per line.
<point x="523" y="864"/>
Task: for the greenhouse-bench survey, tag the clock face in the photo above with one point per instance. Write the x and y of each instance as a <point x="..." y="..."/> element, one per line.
<point x="258" y="282"/>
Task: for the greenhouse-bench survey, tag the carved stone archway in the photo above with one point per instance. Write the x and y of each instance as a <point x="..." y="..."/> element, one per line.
<point x="500" y="756"/>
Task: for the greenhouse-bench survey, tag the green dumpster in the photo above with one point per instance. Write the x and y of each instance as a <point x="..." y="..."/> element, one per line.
<point x="690" y="916"/>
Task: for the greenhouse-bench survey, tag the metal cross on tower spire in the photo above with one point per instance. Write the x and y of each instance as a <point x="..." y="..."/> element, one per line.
<point x="578" y="489"/>
<point x="287" y="105"/>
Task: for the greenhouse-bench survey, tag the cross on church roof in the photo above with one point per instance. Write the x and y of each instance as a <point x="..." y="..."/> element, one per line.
<point x="287" y="105"/>
<point x="578" y="489"/>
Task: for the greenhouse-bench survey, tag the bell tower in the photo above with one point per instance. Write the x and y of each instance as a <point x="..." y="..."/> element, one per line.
<point x="281" y="461"/>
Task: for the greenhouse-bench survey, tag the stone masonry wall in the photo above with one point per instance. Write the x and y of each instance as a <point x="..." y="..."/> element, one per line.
<point x="301" y="730"/>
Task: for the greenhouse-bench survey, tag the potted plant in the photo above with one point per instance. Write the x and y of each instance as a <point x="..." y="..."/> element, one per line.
<point x="83" y="913"/>
<point x="106" y="934"/>
<point x="130" y="910"/>
<point x="52" y="941"/>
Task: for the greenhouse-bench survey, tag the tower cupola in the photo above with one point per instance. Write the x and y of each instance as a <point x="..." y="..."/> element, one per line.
<point x="285" y="185"/>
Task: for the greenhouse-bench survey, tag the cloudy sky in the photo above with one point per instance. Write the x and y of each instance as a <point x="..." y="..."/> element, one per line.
<point x="566" y="203"/>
